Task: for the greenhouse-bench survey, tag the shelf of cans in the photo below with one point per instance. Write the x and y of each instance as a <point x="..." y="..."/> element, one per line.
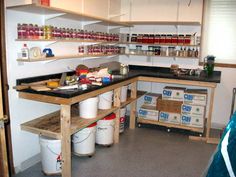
<point x="47" y="32"/>
<point x="164" y="39"/>
<point x="99" y="49"/>
<point x="171" y="51"/>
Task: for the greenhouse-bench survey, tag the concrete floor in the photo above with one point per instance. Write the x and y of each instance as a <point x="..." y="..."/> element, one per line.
<point x="143" y="152"/>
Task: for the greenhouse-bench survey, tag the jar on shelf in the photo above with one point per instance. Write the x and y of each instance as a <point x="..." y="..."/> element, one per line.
<point x="174" y="39"/>
<point x="163" y="51"/>
<point x="132" y="51"/>
<point x="168" y="39"/>
<point x="128" y="38"/>
<point x="181" y="39"/>
<point x="122" y="50"/>
<point x="139" y="49"/>
<point x="162" y="39"/>
<point x="134" y="38"/>
<point x="157" y="39"/>
<point x="139" y="38"/>
<point x="171" y="51"/>
<point x="157" y="50"/>
<point x="187" y="39"/>
<point x="150" y="50"/>
<point x="151" y="38"/>
<point x="145" y="38"/>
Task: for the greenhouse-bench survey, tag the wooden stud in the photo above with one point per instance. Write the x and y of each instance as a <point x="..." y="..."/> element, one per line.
<point x="208" y="127"/>
<point x="66" y="140"/>
<point x="117" y="104"/>
<point x="133" y="106"/>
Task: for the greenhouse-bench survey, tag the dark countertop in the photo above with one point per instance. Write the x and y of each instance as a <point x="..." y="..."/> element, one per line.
<point x="135" y="71"/>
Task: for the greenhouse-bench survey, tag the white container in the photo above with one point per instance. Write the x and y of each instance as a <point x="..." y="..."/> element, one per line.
<point x="105" y="130"/>
<point x="122" y="119"/>
<point x="123" y="95"/>
<point x="50" y="155"/>
<point x="173" y="93"/>
<point x="105" y="100"/>
<point x="169" y="117"/>
<point x="147" y="113"/>
<point x="88" y="108"/>
<point x="84" y="141"/>
<point x="193" y="110"/>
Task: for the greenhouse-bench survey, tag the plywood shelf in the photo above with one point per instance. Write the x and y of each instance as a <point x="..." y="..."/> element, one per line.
<point x="66" y="14"/>
<point x="169" y="125"/>
<point x="159" y="56"/>
<point x="154" y="44"/>
<point x="64" y="57"/>
<point x="184" y="23"/>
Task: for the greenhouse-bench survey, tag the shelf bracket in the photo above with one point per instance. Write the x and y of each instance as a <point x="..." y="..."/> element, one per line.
<point x="53" y="16"/>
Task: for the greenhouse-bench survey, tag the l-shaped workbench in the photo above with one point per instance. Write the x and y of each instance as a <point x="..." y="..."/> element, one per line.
<point x="65" y="122"/>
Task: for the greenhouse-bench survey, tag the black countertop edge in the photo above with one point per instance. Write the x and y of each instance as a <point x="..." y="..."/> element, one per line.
<point x="135" y="71"/>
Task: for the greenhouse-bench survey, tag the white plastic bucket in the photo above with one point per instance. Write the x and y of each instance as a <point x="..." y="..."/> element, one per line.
<point x="84" y="141"/>
<point x="50" y="155"/>
<point x="123" y="95"/>
<point x="88" y="108"/>
<point x="105" y="130"/>
<point x="105" y="100"/>
<point x="122" y="119"/>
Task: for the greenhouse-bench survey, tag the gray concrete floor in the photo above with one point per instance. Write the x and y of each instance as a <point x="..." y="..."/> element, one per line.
<point x="143" y="152"/>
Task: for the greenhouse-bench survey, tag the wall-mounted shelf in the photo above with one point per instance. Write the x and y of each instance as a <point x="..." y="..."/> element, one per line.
<point x="155" y="44"/>
<point x="64" y="57"/>
<point x="184" y="23"/>
<point x="66" y="14"/>
<point x="68" y="40"/>
<point x="160" y="56"/>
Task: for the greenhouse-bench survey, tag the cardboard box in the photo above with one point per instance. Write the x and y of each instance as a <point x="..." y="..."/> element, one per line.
<point x="173" y="93"/>
<point x="150" y="99"/>
<point x="169" y="117"/>
<point x="193" y="121"/>
<point x="193" y="110"/>
<point x="146" y="113"/>
<point x="195" y="97"/>
<point x="169" y="106"/>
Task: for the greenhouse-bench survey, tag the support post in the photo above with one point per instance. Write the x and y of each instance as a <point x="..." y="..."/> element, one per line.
<point x="208" y="128"/>
<point x="133" y="106"/>
<point x="117" y="120"/>
<point x="66" y="140"/>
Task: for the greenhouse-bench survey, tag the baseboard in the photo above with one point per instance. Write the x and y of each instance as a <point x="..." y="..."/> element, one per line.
<point x="28" y="163"/>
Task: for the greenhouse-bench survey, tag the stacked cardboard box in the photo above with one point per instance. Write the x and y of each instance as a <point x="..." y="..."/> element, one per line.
<point x="194" y="107"/>
<point x="148" y="109"/>
<point x="170" y="104"/>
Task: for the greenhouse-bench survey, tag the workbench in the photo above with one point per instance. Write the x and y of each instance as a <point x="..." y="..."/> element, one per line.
<point x="65" y="122"/>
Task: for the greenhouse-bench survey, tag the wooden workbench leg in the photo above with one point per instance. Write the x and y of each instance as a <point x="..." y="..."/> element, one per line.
<point x="117" y="103"/>
<point x="3" y="149"/>
<point x="66" y="140"/>
<point x="208" y="128"/>
<point x="133" y="106"/>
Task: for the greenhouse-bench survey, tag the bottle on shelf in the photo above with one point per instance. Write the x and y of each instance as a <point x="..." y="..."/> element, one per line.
<point x="25" y="52"/>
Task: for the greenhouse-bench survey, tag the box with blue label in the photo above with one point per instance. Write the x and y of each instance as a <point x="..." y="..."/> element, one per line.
<point x="173" y="93"/>
<point x="193" y="121"/>
<point x="150" y="99"/>
<point x="195" y="97"/>
<point x="168" y="117"/>
<point x="147" y="113"/>
<point x="193" y="110"/>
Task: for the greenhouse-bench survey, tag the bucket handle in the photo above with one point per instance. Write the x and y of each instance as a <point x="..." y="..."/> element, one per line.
<point x="83" y="139"/>
<point x="112" y="100"/>
<point x="52" y="151"/>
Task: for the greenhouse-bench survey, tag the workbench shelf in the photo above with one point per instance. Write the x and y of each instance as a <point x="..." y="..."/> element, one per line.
<point x="170" y="125"/>
<point x="65" y="57"/>
<point x="49" y="125"/>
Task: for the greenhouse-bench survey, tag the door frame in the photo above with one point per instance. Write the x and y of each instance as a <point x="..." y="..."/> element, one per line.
<point x="5" y="88"/>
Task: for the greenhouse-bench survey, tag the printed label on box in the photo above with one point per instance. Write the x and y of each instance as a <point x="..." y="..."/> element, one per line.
<point x="195" y="110"/>
<point x="195" y="99"/>
<point x="193" y="121"/>
<point x="185" y="120"/>
<point x="170" y="93"/>
<point x="148" y="114"/>
<point x="151" y="99"/>
<point x="169" y="117"/>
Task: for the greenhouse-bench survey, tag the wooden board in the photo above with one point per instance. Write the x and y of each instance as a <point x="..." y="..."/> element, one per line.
<point x="186" y="23"/>
<point x="169" y="125"/>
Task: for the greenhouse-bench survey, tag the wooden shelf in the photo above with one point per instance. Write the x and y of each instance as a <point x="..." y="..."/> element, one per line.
<point x="153" y="44"/>
<point x="169" y="125"/>
<point x="187" y="23"/>
<point x="159" y="56"/>
<point x="130" y="100"/>
<point x="66" y="14"/>
<point x="63" y="57"/>
<point x="67" y="40"/>
<point x="49" y="125"/>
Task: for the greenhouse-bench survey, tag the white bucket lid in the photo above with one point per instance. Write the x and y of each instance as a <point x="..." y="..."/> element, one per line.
<point x="45" y="139"/>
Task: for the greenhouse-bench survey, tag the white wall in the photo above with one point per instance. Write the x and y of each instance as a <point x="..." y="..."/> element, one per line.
<point x="25" y="144"/>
